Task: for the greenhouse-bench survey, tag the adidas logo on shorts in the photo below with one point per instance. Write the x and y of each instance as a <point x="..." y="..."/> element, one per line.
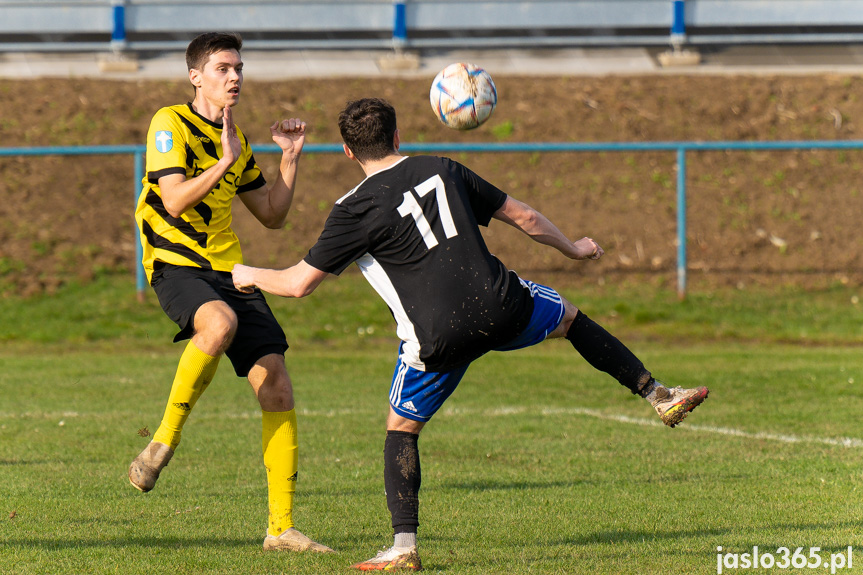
<point x="409" y="406"/>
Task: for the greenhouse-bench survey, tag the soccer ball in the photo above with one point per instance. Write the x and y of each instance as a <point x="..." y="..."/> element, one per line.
<point x="463" y="96"/>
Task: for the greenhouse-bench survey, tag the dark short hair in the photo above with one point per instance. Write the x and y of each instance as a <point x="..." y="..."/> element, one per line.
<point x="368" y="127"/>
<point x="205" y="45"/>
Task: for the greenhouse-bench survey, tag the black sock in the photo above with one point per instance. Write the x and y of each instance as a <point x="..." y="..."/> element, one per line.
<point x="605" y="352"/>
<point x="402" y="480"/>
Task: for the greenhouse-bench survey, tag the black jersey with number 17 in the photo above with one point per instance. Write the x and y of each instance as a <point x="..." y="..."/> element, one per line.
<point x="413" y="229"/>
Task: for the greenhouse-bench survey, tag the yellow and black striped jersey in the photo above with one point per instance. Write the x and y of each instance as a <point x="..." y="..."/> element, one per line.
<point x="180" y="141"/>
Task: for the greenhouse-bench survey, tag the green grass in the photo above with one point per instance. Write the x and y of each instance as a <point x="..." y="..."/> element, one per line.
<point x="537" y="464"/>
<point x="346" y="312"/>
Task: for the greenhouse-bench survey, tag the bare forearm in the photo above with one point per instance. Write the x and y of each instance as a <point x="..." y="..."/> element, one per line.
<point x="272" y="209"/>
<point x="271" y="205"/>
<point x="542" y="231"/>
<point x="522" y="217"/>
<point x="278" y="282"/>
<point x="282" y="193"/>
<point x="548" y="234"/>
<point x="180" y="195"/>
<point x="297" y="281"/>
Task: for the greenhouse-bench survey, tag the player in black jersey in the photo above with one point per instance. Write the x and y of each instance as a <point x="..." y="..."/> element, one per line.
<point x="412" y="227"/>
<point x="198" y="161"/>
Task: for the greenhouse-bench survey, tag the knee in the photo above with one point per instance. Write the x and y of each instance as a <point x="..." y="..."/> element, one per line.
<point x="215" y="327"/>
<point x="276" y="396"/>
<point x="272" y="385"/>
<point x="396" y="422"/>
<point x="224" y="328"/>
<point x="570" y="311"/>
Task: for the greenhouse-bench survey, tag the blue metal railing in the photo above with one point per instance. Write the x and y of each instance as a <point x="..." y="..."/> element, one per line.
<point x="160" y="25"/>
<point x="680" y="148"/>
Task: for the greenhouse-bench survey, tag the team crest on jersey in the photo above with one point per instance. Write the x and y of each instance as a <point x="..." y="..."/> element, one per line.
<point x="164" y="141"/>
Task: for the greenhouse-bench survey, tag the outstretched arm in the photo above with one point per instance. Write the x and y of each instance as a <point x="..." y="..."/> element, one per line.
<point x="270" y="206"/>
<point x="297" y="281"/>
<point x="523" y="217"/>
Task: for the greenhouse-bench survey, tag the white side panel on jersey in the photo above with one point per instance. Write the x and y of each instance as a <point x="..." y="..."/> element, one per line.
<point x="378" y="278"/>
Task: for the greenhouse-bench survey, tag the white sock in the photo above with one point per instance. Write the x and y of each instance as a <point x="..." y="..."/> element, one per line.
<point x="406" y="540"/>
<point x="651" y="394"/>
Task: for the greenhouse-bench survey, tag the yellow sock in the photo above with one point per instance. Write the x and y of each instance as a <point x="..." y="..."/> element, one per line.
<point x="279" y="442"/>
<point x="194" y="374"/>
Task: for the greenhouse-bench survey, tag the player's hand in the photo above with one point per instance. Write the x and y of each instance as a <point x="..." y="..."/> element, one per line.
<point x="587" y="249"/>
<point x="243" y="279"/>
<point x="289" y="135"/>
<point x="231" y="145"/>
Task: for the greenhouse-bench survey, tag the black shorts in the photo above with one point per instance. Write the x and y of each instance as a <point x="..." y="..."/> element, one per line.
<point x="182" y="290"/>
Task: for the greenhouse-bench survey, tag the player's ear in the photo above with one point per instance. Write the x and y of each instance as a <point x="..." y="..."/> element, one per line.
<point x="195" y="77"/>
<point x="348" y="151"/>
<point x="396" y="140"/>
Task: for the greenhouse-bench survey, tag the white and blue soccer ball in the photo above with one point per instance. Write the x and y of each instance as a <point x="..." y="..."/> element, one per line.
<point x="463" y="96"/>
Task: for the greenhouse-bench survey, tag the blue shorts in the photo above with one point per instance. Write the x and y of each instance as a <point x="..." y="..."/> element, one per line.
<point x="417" y="395"/>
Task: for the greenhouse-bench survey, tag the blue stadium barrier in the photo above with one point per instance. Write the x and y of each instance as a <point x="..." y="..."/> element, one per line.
<point x="148" y="25"/>
<point x="680" y="148"/>
<point x="118" y="27"/>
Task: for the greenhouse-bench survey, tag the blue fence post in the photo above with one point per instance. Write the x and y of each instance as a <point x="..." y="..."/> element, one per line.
<point x="678" y="23"/>
<point x="681" y="223"/>
<point x="400" y="25"/>
<point x="118" y="31"/>
<point x="140" y="276"/>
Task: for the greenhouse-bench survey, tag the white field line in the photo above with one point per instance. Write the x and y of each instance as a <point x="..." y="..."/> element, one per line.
<point x="762" y="435"/>
<point x="850" y="442"/>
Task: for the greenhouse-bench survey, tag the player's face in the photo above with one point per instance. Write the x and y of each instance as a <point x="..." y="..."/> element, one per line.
<point x="221" y="79"/>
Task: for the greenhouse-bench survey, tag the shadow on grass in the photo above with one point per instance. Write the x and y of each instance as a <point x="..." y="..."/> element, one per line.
<point x="129" y="542"/>
<point x="640" y="536"/>
<point x="370" y="540"/>
<point x="503" y="485"/>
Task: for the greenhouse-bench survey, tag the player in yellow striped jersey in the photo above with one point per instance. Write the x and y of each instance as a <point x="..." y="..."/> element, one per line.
<point x="197" y="161"/>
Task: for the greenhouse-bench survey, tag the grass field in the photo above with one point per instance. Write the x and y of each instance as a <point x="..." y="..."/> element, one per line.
<point x="537" y="464"/>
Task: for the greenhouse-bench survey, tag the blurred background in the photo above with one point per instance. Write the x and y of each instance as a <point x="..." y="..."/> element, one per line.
<point x="41" y="37"/>
<point x="84" y="75"/>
